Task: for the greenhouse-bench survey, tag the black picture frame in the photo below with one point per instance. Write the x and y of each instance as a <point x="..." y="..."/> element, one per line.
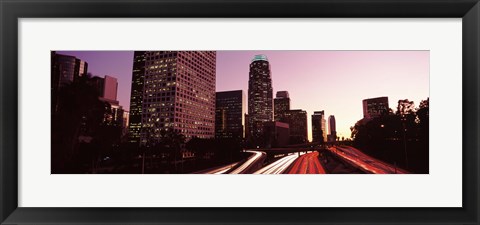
<point x="12" y="10"/>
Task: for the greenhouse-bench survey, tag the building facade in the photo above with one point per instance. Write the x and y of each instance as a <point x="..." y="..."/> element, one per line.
<point x="332" y="136"/>
<point x="375" y="107"/>
<point x="126" y="117"/>
<point x="281" y="105"/>
<point x="110" y="88"/>
<point x="260" y="95"/>
<point x="297" y="121"/>
<point x="106" y="87"/>
<point x="229" y="114"/>
<point x="276" y="134"/>
<point x="246" y="126"/>
<point x="136" y="97"/>
<point x="319" y="133"/>
<point x="64" y="70"/>
<point x="99" y="84"/>
<point x="178" y="95"/>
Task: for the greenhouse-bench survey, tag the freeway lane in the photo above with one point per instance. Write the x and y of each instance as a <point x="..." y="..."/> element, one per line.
<point x="278" y="166"/>
<point x="365" y="162"/>
<point x="307" y="164"/>
<point x="222" y="169"/>
<point x="254" y="159"/>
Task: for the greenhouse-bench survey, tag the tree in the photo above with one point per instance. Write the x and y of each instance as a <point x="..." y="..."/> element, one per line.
<point x="422" y="113"/>
<point x="400" y="138"/>
<point x="172" y="141"/>
<point x="424" y="103"/>
<point x="405" y="107"/>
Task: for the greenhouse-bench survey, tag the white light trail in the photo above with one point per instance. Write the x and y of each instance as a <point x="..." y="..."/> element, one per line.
<point x="278" y="166"/>
<point x="256" y="155"/>
<point x="222" y="169"/>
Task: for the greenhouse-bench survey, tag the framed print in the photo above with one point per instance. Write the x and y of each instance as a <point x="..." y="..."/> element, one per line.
<point x="203" y="112"/>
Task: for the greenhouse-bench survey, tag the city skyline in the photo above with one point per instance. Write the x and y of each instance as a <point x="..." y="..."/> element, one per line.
<point x="312" y="78"/>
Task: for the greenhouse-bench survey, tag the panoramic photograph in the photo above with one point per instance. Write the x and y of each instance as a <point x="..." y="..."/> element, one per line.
<point x="240" y="112"/>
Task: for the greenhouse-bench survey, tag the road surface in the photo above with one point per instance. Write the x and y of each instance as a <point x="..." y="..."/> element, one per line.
<point x="278" y="166"/>
<point x="251" y="161"/>
<point x="307" y="164"/>
<point x="363" y="161"/>
<point x="221" y="170"/>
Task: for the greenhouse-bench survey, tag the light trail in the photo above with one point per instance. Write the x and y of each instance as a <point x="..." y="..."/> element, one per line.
<point x="222" y="169"/>
<point x="278" y="166"/>
<point x="315" y="166"/>
<point x="256" y="156"/>
<point x="307" y="164"/>
<point x="367" y="163"/>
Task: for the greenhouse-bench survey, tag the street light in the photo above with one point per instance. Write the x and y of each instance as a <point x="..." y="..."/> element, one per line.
<point x="404" y="119"/>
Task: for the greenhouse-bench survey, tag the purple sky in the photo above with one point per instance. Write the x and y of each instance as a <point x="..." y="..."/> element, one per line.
<point x="334" y="81"/>
<point x="116" y="64"/>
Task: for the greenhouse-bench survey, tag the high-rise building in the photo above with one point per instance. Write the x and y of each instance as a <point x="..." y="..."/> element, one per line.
<point x="332" y="128"/>
<point x="125" y="123"/>
<point x="64" y="70"/>
<point x="276" y="134"/>
<point x="297" y="121"/>
<point x="110" y="95"/>
<point x="246" y="126"/>
<point x="260" y="95"/>
<point x="374" y="107"/>
<point x="115" y="117"/>
<point x="282" y="94"/>
<point x="99" y="84"/>
<point x="229" y="112"/>
<point x="319" y="133"/>
<point x="136" y="96"/>
<point x="110" y="88"/>
<point x="107" y="90"/>
<point x="178" y="94"/>
<point x="281" y="105"/>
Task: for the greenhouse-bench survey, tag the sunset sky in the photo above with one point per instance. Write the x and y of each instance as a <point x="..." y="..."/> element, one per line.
<point x="334" y="81"/>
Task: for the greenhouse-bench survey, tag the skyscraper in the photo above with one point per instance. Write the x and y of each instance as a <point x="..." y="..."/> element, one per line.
<point x="229" y="114"/>
<point x="332" y="128"/>
<point x="178" y="94"/>
<point x="126" y="117"/>
<point x="110" y="88"/>
<point x="319" y="133"/>
<point x="374" y="107"/>
<point x="64" y="70"/>
<point x="107" y="90"/>
<point x="136" y="96"/>
<point x="99" y="84"/>
<point x="281" y="105"/>
<point x="276" y="134"/>
<point x="246" y="126"/>
<point x="297" y="121"/>
<point x="260" y="95"/>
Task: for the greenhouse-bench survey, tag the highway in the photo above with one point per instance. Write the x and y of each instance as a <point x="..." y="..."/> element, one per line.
<point x="363" y="161"/>
<point x="278" y="166"/>
<point x="222" y="170"/>
<point x="307" y="164"/>
<point x="251" y="161"/>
